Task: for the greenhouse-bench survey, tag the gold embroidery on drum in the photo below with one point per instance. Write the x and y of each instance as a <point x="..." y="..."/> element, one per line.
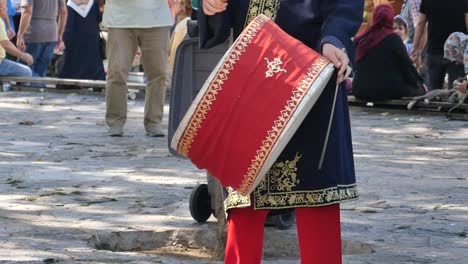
<point x="285" y="114"/>
<point x="215" y="87"/>
<point x="274" y="66"/>
<point x="268" y="8"/>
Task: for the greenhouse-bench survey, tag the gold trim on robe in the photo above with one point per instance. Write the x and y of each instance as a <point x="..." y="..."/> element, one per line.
<point x="268" y="8"/>
<point x="276" y="191"/>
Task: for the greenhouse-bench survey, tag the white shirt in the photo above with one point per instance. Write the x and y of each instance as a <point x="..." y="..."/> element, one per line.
<point x="137" y="14"/>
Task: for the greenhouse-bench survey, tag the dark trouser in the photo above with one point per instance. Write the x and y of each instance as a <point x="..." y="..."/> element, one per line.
<point x="437" y="67"/>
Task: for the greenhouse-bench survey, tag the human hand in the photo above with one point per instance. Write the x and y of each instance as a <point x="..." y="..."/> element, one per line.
<point x="60" y="46"/>
<point x="414" y="54"/>
<point x="211" y="7"/>
<point x="26" y="57"/>
<point x="460" y="86"/>
<point x="418" y="63"/>
<point x="20" y="43"/>
<point x="339" y="58"/>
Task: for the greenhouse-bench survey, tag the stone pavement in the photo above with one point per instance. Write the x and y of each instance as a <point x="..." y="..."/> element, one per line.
<point x="63" y="182"/>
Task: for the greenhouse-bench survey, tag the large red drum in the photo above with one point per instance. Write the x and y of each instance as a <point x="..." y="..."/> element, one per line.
<point x="251" y="105"/>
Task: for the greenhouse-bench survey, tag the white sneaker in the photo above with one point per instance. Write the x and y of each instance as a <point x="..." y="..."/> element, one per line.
<point x="115" y="131"/>
<point x="155" y="131"/>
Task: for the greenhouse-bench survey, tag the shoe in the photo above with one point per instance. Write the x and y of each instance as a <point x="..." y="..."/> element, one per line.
<point x="155" y="131"/>
<point x="115" y="131"/>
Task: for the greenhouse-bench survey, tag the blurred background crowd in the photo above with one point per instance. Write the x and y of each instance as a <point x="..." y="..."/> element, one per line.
<point x="404" y="47"/>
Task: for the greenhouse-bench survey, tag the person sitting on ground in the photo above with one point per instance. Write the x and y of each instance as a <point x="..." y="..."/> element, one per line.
<point x="383" y="67"/>
<point x="400" y="26"/>
<point x="8" y="67"/>
<point x="456" y="49"/>
<point x="5" y="8"/>
<point x="441" y="18"/>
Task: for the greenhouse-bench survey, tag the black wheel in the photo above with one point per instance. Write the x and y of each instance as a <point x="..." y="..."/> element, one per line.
<point x="200" y="203"/>
<point x="285" y="220"/>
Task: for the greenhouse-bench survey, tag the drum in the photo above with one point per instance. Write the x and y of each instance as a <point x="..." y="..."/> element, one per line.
<point x="251" y="105"/>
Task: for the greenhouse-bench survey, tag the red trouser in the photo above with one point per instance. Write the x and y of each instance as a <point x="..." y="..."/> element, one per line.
<point x="318" y="230"/>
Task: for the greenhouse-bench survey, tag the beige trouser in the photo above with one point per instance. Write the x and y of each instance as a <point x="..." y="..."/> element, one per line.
<point x="122" y="45"/>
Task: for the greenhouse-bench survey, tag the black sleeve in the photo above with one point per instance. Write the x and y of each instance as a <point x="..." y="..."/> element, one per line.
<point x="407" y="68"/>
<point x="214" y="29"/>
<point x="342" y="19"/>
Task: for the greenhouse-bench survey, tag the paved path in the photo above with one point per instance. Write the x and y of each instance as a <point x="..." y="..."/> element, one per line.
<point x="63" y="180"/>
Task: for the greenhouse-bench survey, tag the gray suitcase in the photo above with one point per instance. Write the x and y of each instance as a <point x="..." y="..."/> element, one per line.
<point x="192" y="66"/>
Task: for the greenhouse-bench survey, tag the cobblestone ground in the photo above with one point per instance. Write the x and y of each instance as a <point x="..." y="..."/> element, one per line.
<point x="63" y="180"/>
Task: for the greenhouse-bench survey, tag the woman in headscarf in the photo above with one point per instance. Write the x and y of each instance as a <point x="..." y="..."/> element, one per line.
<point x="456" y="51"/>
<point x="383" y="67"/>
<point x="83" y="56"/>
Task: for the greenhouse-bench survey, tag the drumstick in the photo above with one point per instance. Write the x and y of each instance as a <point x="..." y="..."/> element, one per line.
<point x="324" y="149"/>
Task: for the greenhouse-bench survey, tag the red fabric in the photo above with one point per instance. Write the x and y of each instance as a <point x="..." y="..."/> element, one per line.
<point x="249" y="104"/>
<point x="382" y="27"/>
<point x="245" y="236"/>
<point x="318" y="231"/>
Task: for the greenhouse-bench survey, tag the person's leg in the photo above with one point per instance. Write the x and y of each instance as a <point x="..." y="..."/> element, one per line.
<point x="244" y="243"/>
<point x="154" y="44"/>
<point x="121" y="49"/>
<point x="11" y="68"/>
<point x="44" y="58"/>
<point x="34" y="50"/>
<point x="319" y="233"/>
<point x="436" y="71"/>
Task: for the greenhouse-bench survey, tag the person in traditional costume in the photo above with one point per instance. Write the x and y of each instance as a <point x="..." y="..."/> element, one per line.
<point x="83" y="58"/>
<point x="301" y="178"/>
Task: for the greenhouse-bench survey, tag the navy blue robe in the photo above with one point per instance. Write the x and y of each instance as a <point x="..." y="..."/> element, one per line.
<point x="295" y="180"/>
<point x="82" y="58"/>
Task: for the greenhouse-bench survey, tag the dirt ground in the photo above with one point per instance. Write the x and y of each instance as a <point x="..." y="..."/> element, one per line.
<point x="65" y="186"/>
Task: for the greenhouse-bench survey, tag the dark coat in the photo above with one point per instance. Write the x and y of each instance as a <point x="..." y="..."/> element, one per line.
<point x="387" y="72"/>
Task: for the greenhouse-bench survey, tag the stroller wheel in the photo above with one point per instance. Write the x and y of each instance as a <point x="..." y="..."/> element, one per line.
<point x="200" y="203"/>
